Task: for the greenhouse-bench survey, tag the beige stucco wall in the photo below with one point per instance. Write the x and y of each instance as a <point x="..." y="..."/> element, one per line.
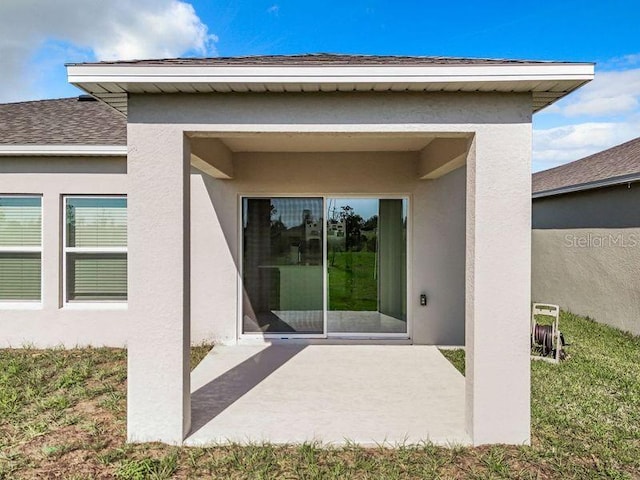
<point x="51" y="324"/>
<point x="497" y="246"/>
<point x="474" y="267"/>
<point x="436" y="246"/>
<point x="498" y="283"/>
<point x="437" y="242"/>
<point x="438" y="206"/>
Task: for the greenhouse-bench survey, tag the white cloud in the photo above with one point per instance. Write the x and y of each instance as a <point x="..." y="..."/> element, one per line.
<point x="555" y="146"/>
<point x="602" y="114"/>
<point x="622" y="62"/>
<point x="274" y="9"/>
<point x="107" y="29"/>
<point x="610" y="93"/>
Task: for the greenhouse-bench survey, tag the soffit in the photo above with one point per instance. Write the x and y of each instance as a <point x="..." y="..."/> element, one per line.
<point x="112" y="82"/>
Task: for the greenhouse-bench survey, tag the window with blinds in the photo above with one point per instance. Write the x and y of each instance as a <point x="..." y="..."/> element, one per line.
<point x="20" y="248"/>
<point x="96" y="249"/>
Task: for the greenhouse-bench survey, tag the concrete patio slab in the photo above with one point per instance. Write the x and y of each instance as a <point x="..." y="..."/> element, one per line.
<point x="292" y="393"/>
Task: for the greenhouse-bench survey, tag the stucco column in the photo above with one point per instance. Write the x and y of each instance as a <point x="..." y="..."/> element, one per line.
<point x="498" y="279"/>
<point x="158" y="400"/>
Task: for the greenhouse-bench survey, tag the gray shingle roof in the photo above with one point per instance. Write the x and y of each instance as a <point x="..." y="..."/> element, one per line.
<point x="312" y="59"/>
<point x="65" y="121"/>
<point x="620" y="161"/>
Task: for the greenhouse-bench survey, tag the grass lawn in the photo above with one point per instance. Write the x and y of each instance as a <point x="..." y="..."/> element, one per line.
<point x="352" y="285"/>
<point x="62" y="415"/>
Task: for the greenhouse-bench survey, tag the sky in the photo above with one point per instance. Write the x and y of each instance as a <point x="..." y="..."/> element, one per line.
<point x="37" y="37"/>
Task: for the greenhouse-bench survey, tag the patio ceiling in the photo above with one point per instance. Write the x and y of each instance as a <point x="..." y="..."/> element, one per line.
<point x="437" y="153"/>
<point x="325" y="142"/>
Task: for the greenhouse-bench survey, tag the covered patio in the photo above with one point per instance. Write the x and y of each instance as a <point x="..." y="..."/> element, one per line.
<point x="452" y="137"/>
<point x="334" y="394"/>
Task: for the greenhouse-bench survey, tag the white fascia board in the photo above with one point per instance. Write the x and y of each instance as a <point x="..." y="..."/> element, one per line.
<point x="123" y="74"/>
<point x="64" y="150"/>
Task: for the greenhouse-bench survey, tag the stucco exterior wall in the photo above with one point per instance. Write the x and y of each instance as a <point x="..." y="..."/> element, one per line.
<point x="437" y="207"/>
<point x="331" y="112"/>
<point x="436" y="246"/>
<point x="470" y="248"/>
<point x="437" y="242"/>
<point x="52" y="324"/>
<point x="585" y="253"/>
<point x="498" y="283"/>
<point x="497" y="225"/>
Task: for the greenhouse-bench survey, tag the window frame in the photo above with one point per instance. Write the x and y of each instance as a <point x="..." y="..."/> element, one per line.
<point x="89" y="304"/>
<point x="20" y="303"/>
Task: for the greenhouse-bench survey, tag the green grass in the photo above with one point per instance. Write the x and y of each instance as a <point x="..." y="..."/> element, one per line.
<point x="586" y="410"/>
<point x="456" y="357"/>
<point x="352" y="285"/>
<point x="148" y="468"/>
<point x="62" y="415"/>
<point x="198" y="353"/>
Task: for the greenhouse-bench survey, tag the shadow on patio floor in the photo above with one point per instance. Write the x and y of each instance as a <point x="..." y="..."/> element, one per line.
<point x="213" y="398"/>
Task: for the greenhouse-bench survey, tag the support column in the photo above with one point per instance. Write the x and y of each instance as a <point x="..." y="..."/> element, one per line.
<point x="498" y="279"/>
<point x="158" y="397"/>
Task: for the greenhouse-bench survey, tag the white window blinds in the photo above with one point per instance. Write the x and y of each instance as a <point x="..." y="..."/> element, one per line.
<point x="97" y="222"/>
<point x="20" y="248"/>
<point x="96" y="249"/>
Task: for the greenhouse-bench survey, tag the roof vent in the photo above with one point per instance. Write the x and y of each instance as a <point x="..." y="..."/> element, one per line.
<point x="86" y="98"/>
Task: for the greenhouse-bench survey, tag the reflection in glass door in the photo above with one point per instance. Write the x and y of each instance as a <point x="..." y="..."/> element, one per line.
<point x="291" y="245"/>
<point x="366" y="266"/>
<point x="283" y="265"/>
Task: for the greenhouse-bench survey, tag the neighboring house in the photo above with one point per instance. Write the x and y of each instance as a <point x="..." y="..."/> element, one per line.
<point x="227" y="159"/>
<point x="586" y="236"/>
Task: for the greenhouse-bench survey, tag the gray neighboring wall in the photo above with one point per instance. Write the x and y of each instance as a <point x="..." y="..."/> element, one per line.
<point x="586" y="236"/>
<point x="617" y="206"/>
<point x="64" y="121"/>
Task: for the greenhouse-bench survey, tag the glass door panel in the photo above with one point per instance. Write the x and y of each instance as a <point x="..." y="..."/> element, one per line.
<point x="283" y="265"/>
<point x="366" y="266"/>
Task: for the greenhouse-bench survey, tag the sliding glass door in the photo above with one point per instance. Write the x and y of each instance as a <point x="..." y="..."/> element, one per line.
<point x="366" y="266"/>
<point x="317" y="267"/>
<point x="283" y="266"/>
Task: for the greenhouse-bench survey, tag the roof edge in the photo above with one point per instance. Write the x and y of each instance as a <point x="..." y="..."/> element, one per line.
<point x="326" y="72"/>
<point x="608" y="182"/>
<point x="112" y="82"/>
<point x="64" y="150"/>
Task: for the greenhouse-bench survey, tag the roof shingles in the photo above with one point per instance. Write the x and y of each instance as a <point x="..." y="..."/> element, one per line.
<point x="65" y="121"/>
<point x="317" y="59"/>
<point x="620" y="161"/>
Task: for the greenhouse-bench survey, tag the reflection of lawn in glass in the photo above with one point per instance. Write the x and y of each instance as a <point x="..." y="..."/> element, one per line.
<point x="352" y="285"/>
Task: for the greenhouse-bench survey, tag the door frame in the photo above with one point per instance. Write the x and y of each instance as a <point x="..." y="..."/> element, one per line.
<point x="253" y="337"/>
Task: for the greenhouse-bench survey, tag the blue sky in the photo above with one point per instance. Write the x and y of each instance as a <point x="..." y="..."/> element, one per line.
<point x="38" y="36"/>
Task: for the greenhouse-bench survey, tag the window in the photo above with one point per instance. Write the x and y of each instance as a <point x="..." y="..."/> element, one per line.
<point x="95" y="249"/>
<point x="20" y="248"/>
